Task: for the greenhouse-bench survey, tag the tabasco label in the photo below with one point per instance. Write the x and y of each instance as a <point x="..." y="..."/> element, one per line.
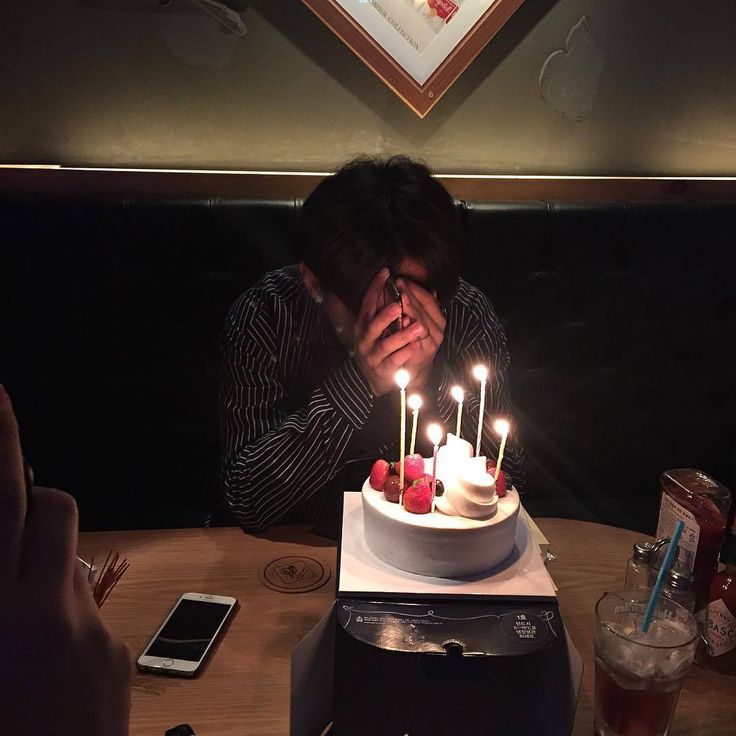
<point x="721" y="629"/>
<point x="669" y="512"/>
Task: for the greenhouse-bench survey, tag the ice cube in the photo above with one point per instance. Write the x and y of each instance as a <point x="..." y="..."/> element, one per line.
<point x="668" y="633"/>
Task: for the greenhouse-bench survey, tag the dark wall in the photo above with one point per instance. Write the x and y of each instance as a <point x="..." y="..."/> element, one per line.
<point x="620" y="319"/>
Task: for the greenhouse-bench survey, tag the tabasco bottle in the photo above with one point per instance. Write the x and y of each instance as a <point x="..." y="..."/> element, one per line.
<point x="720" y="629"/>
<point x="703" y="504"/>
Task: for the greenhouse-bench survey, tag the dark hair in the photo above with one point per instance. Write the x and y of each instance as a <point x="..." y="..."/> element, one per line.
<point x="377" y="212"/>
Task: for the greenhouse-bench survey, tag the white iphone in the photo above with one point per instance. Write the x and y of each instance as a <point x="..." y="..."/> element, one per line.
<point x="187" y="634"/>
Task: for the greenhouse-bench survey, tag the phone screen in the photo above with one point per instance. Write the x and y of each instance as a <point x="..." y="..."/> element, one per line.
<point x="189" y="630"/>
<point x="392" y="294"/>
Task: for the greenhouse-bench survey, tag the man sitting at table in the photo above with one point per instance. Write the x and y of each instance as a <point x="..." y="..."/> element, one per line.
<point x="308" y="397"/>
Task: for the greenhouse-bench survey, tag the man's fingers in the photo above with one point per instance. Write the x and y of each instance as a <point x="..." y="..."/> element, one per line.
<point x="416" y="316"/>
<point x="49" y="553"/>
<point x="375" y="328"/>
<point x="371" y="298"/>
<point x="12" y="491"/>
<point x="398" y="340"/>
<point x="425" y="309"/>
<point x="413" y="307"/>
<point x="426" y="302"/>
<point x="400" y="357"/>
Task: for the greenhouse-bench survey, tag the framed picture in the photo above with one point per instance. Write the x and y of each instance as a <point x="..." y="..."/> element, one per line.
<point x="417" y="47"/>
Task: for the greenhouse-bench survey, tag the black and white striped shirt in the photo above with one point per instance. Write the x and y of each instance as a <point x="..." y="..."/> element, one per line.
<point x="297" y="414"/>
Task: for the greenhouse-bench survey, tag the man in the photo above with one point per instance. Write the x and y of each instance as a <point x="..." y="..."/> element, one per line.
<point x="308" y="396"/>
<point x="61" y="671"/>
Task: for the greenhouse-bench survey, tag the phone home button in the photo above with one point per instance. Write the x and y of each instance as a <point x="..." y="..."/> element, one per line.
<point x="167" y="662"/>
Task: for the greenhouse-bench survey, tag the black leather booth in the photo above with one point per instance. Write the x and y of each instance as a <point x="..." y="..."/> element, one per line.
<point x="621" y="321"/>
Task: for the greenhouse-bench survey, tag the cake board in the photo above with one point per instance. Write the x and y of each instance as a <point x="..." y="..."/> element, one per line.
<point x="360" y="574"/>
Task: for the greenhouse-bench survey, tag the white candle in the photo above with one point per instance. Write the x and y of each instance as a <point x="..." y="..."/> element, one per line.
<point x="459" y="395"/>
<point x="480" y="373"/>
<point x="502" y="427"/>
<point x="415" y="404"/>
<point x="402" y="381"/>
<point x="435" y="437"/>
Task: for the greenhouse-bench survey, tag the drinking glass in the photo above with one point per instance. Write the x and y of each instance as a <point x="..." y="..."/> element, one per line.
<point x="638" y="675"/>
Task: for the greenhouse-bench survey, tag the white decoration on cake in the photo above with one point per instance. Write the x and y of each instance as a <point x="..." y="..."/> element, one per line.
<point x="474" y="495"/>
<point x="451" y="456"/>
<point x="477" y="484"/>
<point x="470" y="491"/>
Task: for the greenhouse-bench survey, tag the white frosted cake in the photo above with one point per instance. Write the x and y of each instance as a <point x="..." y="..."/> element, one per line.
<point x="466" y="531"/>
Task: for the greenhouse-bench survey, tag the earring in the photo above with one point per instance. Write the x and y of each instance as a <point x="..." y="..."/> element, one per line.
<point x="318" y="297"/>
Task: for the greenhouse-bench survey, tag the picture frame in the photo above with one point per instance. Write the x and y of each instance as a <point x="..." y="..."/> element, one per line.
<point x="417" y="47"/>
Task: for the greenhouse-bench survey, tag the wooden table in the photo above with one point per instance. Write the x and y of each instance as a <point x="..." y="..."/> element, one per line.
<point x="245" y="688"/>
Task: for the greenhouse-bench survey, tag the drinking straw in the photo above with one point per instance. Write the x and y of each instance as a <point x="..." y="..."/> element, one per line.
<point x="663" y="573"/>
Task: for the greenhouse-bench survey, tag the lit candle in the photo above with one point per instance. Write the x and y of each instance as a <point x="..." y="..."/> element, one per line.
<point x="435" y="437"/>
<point x="415" y="404"/>
<point x="402" y="381"/>
<point x="480" y="373"/>
<point x="459" y="395"/>
<point x="502" y="427"/>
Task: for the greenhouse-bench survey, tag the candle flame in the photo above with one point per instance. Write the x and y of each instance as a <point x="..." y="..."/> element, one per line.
<point x="435" y="432"/>
<point x="415" y="402"/>
<point x="480" y="373"/>
<point x="402" y="378"/>
<point x="457" y="393"/>
<point x="501" y="426"/>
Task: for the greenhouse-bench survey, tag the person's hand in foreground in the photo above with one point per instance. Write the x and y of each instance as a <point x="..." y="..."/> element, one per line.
<point x="61" y="670"/>
<point x="379" y="357"/>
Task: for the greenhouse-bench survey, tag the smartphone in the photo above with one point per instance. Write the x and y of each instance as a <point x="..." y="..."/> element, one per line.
<point x="392" y="294"/>
<point x="187" y="634"/>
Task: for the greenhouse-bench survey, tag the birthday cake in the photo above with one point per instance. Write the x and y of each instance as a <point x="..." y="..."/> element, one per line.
<point x="457" y="522"/>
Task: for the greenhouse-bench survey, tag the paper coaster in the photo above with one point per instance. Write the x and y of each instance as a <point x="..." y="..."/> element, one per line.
<point x="294" y="574"/>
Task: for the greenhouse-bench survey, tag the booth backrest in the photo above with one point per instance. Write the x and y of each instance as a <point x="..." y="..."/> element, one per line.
<point x="621" y="320"/>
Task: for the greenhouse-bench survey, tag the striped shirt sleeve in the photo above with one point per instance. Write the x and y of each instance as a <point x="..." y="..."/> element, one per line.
<point x="273" y="459"/>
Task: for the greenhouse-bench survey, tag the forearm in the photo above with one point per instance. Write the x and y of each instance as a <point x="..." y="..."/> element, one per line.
<point x="265" y="476"/>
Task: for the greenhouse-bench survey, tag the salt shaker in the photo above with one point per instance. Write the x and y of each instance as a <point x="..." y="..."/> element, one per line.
<point x="679" y="589"/>
<point x="637" y="569"/>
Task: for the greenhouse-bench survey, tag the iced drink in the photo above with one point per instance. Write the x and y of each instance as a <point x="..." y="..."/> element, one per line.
<point x="638" y="675"/>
